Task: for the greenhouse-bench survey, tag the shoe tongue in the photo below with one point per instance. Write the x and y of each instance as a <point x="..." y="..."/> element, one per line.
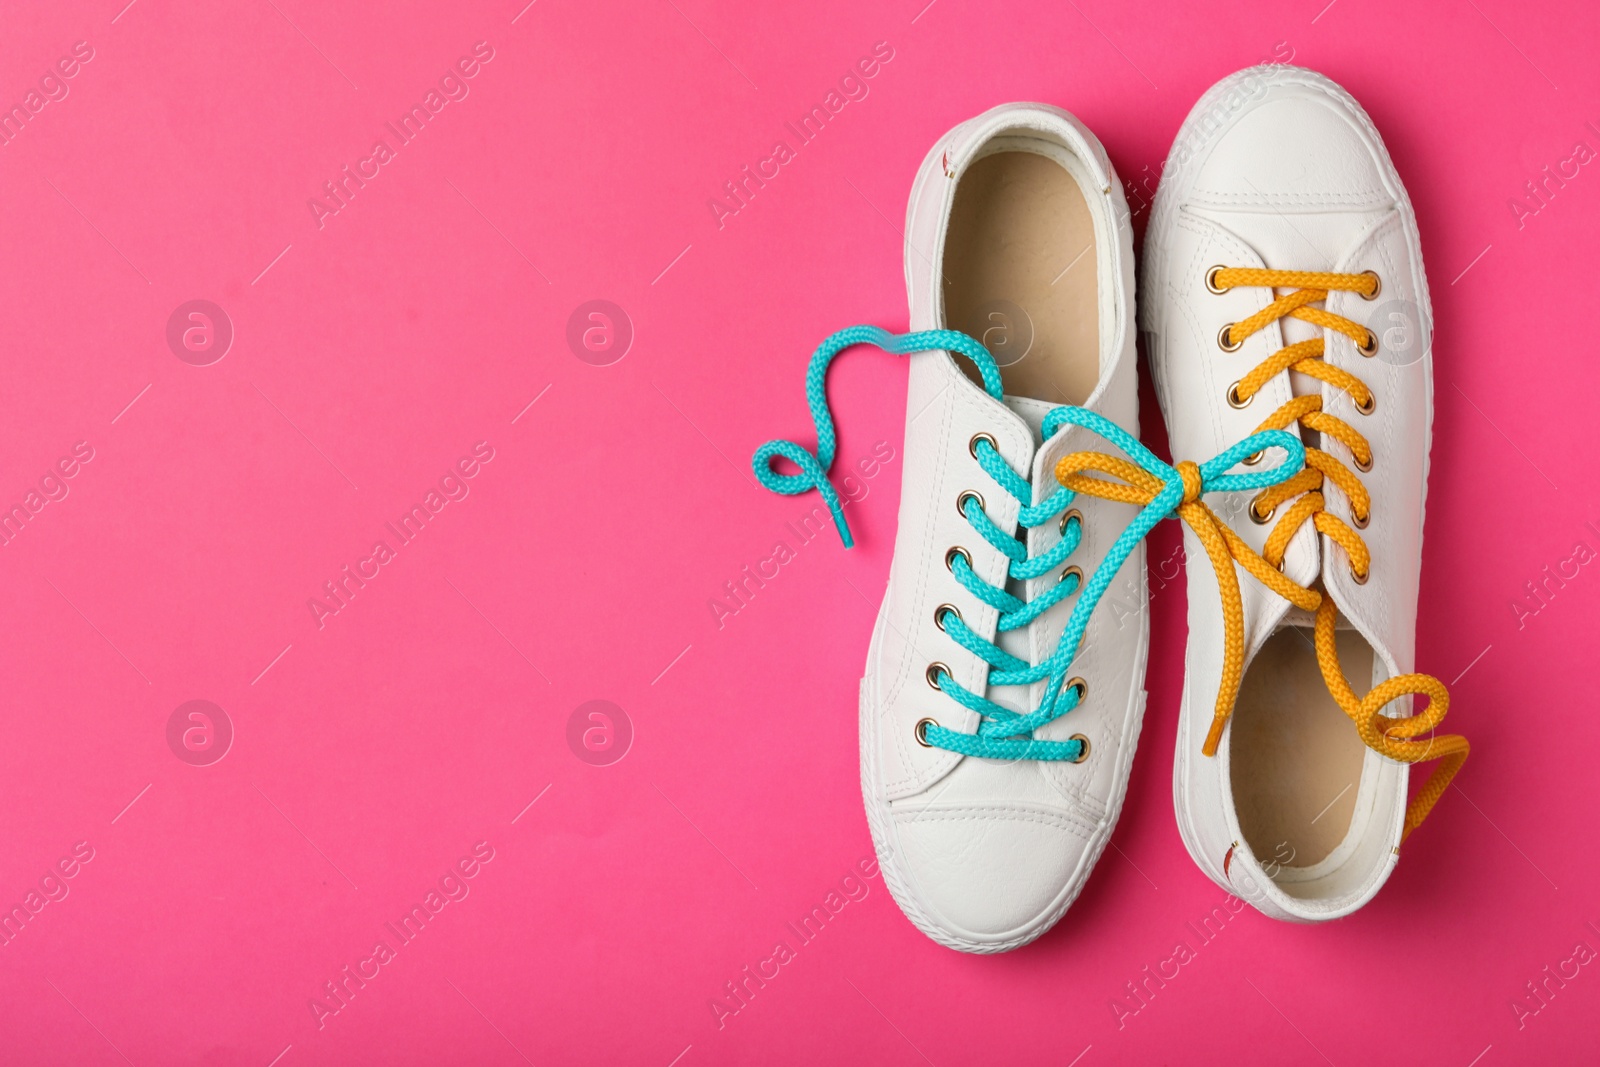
<point x="1031" y="412"/>
<point x="1312" y="241"/>
<point x="1298" y="617"/>
<point x="1289" y="241"/>
<point x="1017" y="641"/>
<point x="1307" y="620"/>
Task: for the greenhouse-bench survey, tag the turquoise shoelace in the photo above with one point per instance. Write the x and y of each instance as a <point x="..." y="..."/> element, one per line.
<point x="1003" y="733"/>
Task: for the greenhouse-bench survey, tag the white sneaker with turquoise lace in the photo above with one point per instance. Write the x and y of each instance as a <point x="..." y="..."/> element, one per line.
<point x="1017" y="233"/>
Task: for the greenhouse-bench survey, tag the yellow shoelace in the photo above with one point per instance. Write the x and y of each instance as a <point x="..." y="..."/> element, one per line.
<point x="1398" y="739"/>
<point x="1222" y="545"/>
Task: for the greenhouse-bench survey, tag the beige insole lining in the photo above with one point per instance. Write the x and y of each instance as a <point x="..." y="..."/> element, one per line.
<point x="1020" y="270"/>
<point x="1295" y="757"/>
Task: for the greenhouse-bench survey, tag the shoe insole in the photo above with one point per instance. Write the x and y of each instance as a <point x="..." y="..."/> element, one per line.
<point x="1295" y="755"/>
<point x="1020" y="270"/>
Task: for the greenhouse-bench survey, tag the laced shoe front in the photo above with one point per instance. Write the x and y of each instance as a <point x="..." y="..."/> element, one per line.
<point x="999" y="707"/>
<point x="1284" y="291"/>
<point x="1411" y="739"/>
<point x="1004" y="734"/>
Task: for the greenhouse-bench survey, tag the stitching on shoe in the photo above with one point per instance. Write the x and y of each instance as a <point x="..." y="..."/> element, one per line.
<point x="979" y="412"/>
<point x="1055" y="820"/>
<point x="1375" y="198"/>
<point x="906" y="759"/>
<point x="1189" y="317"/>
<point x="1206" y="231"/>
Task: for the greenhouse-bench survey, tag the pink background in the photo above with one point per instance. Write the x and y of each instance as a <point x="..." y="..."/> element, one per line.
<point x="371" y="754"/>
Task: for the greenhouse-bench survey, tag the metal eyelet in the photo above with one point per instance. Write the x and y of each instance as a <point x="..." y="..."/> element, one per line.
<point x="1369" y="349"/>
<point x="1360" y="579"/>
<point x="1371" y="405"/>
<point x="1377" y="285"/>
<point x="1253" y="458"/>
<point x="1084" y="753"/>
<point x="950" y="557"/>
<point x="939" y="613"/>
<point x="1069" y="515"/>
<point x="1363" y="468"/>
<point x="972" y="445"/>
<point x="1256" y="516"/>
<point x="1211" y="280"/>
<point x="921" y="732"/>
<point x="1073" y="571"/>
<point x="1233" y="397"/>
<point x="1226" y="342"/>
<point x="962" y="498"/>
<point x="1360" y="522"/>
<point x="933" y="672"/>
<point x="1081" y="686"/>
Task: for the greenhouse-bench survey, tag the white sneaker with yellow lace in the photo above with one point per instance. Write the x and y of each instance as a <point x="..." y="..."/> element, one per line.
<point x="1282" y="286"/>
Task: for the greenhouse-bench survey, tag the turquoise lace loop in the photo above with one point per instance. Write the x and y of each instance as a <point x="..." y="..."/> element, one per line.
<point x="814" y="468"/>
<point x="1003" y="733"/>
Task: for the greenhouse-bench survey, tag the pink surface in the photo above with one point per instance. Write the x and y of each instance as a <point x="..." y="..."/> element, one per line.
<point x="375" y="754"/>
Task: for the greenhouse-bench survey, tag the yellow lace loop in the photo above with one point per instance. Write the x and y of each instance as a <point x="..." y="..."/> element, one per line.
<point x="1394" y="738"/>
<point x="1222" y="545"/>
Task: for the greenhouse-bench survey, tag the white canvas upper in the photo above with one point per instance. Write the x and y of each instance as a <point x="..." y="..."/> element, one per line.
<point x="1277" y="167"/>
<point x="985" y="855"/>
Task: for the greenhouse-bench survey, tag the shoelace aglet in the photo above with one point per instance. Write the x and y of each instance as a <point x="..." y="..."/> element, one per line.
<point x="830" y="496"/>
<point x="1214" y="736"/>
<point x="842" y="526"/>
